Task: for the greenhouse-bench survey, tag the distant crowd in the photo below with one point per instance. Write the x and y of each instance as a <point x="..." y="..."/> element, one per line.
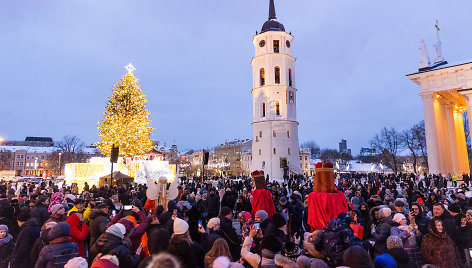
<point x="403" y="220"/>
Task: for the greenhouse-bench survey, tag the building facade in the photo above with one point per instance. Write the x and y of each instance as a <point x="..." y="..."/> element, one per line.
<point x="275" y="147"/>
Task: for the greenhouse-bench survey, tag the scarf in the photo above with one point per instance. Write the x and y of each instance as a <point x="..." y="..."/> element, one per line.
<point x="5" y="240"/>
<point x="403" y="227"/>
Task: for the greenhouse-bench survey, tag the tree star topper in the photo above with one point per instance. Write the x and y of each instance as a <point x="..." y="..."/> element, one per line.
<point x="130" y="68"/>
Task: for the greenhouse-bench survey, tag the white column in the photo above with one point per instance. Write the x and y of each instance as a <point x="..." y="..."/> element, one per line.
<point x="431" y="135"/>
<point x="445" y="155"/>
<point x="461" y="143"/>
<point x="452" y="135"/>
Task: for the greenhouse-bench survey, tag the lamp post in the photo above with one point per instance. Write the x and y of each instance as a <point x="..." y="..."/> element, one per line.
<point x="60" y="166"/>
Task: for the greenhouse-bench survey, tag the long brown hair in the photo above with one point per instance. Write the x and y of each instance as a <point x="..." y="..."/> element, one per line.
<point x="220" y="248"/>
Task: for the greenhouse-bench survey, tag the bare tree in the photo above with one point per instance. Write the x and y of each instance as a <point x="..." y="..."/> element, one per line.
<point x="389" y="142"/>
<point x="70" y="150"/>
<point x="314" y="148"/>
<point x="329" y="155"/>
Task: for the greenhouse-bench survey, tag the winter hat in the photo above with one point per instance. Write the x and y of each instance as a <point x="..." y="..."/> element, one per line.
<point x="385" y="212"/>
<point x="399" y="203"/>
<point x="50" y="224"/>
<point x="3" y="227"/>
<point x="306" y="262"/>
<point x="398" y="217"/>
<point x="225" y="211"/>
<point x="292" y="250"/>
<point x="79" y="201"/>
<point x="122" y="227"/>
<point x="115" y="230"/>
<point x="278" y="220"/>
<point x="271" y="243"/>
<point x="420" y="201"/>
<point x="262" y="214"/>
<point x="57" y="208"/>
<point x="244" y="216"/>
<point x="77" y="262"/>
<point x="108" y="261"/>
<point x="355" y="201"/>
<point x="454" y="208"/>
<point x="394" y="242"/>
<point x="101" y="205"/>
<point x="385" y="261"/>
<point x="213" y="222"/>
<point x="127" y="224"/>
<point x="61" y="229"/>
<point x="357" y="257"/>
<point x="180" y="226"/>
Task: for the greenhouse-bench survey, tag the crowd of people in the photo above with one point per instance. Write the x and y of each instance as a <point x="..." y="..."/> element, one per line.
<point x="393" y="221"/>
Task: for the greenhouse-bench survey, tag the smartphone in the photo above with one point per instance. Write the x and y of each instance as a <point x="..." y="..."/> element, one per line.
<point x="127" y="207"/>
<point x="113" y="213"/>
<point x="150" y="211"/>
<point x="470" y="252"/>
<point x="175" y="212"/>
<point x="258" y="225"/>
<point x="200" y="224"/>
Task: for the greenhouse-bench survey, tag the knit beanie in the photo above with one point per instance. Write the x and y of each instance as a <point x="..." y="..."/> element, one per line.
<point x="180" y="226"/>
<point x="115" y="230"/>
<point x="262" y="214"/>
<point x="306" y="262"/>
<point x="278" y="220"/>
<point x="77" y="262"/>
<point x="213" y="222"/>
<point x="3" y="227"/>
<point x="385" y="212"/>
<point x="420" y="201"/>
<point x="394" y="242"/>
<point x="59" y="230"/>
<point x="398" y="217"/>
<point x="127" y="224"/>
<point x="56" y="208"/>
<point x="50" y="224"/>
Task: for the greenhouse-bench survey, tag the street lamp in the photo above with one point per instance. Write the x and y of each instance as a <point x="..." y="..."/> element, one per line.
<point x="60" y="167"/>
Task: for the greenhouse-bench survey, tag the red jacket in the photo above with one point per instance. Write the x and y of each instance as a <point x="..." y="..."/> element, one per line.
<point x="78" y="232"/>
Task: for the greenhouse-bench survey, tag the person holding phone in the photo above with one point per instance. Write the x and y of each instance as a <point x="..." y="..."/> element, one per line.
<point x="133" y="230"/>
<point x="99" y="219"/>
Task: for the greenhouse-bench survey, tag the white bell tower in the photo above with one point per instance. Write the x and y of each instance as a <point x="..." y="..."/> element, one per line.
<point x="275" y="126"/>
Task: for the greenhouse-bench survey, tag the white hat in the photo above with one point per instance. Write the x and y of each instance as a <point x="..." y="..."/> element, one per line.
<point x="213" y="222"/>
<point x="398" y="217"/>
<point x="77" y="262"/>
<point x="180" y="226"/>
<point x="122" y="227"/>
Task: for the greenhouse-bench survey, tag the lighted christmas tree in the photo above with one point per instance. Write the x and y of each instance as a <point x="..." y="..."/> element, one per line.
<point x="126" y="122"/>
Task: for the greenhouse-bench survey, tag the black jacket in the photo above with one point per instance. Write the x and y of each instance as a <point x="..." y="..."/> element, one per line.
<point x="382" y="232"/>
<point x="98" y="224"/>
<point x="110" y="244"/>
<point x="401" y="257"/>
<point x="228" y="232"/>
<point x="213" y="205"/>
<point x="191" y="256"/>
<point x="41" y="213"/>
<point x="21" y="253"/>
<point x="5" y="253"/>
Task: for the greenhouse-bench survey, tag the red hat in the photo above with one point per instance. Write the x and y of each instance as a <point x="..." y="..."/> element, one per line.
<point x="420" y="201"/>
<point x="257" y="173"/>
<point x="379" y="191"/>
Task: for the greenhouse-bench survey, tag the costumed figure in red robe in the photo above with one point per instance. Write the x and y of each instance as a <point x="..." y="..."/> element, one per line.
<point x="261" y="197"/>
<point x="325" y="202"/>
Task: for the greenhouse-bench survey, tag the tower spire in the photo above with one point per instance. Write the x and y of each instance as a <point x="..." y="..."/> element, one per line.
<point x="272" y="10"/>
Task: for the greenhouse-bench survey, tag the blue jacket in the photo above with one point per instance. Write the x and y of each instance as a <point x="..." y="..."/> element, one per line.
<point x="57" y="255"/>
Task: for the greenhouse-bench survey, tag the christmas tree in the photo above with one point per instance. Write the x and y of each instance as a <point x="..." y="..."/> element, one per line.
<point x="126" y="122"/>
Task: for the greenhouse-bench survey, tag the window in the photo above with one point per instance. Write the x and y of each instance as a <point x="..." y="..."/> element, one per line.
<point x="260" y="151"/>
<point x="257" y="138"/>
<point x="306" y="157"/>
<point x="27" y="157"/>
<point x="288" y="133"/>
<point x="42" y="157"/>
<point x="263" y="109"/>
<point x="22" y="156"/>
<point x="277" y="74"/>
<point x="306" y="165"/>
<point x="275" y="152"/>
<point x="300" y="158"/>
<point x="263" y="164"/>
<point x="291" y="97"/>
<point x="288" y="150"/>
<point x="290" y="77"/>
<point x="277" y="108"/>
<point x="260" y="134"/>
<point x="262" y="77"/>
<point x="274" y="133"/>
<point x="276" y="46"/>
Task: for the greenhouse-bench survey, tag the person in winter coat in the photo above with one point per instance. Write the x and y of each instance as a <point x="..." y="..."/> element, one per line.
<point x="166" y="216"/>
<point x="382" y="231"/>
<point x="357" y="257"/>
<point x="262" y="217"/>
<point x="6" y="246"/>
<point x="7" y="218"/>
<point x="219" y="248"/>
<point x="335" y="238"/>
<point x="78" y="231"/>
<point x="158" y="242"/>
<point x="57" y="215"/>
<point x="134" y="231"/>
<point x="213" y="204"/>
<point x="410" y="236"/>
<point x="40" y="211"/>
<point x="111" y="243"/>
<point x="42" y="241"/>
<point x="99" y="220"/>
<point x="417" y="215"/>
<point x="396" y="250"/>
<point x="437" y="247"/>
<point x="190" y="253"/>
<point x="385" y="261"/>
<point x="30" y="230"/>
<point x="60" y="249"/>
<point x="229" y="199"/>
<point x="278" y="228"/>
<point x="228" y="232"/>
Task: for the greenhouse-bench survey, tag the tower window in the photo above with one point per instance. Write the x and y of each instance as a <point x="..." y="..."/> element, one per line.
<point x="274" y="133"/>
<point x="262" y="76"/>
<point x="260" y="151"/>
<point x="257" y="138"/>
<point x="288" y="133"/>
<point x="260" y="134"/>
<point x="277" y="108"/>
<point x="290" y="77"/>
<point x="275" y="152"/>
<point x="276" y="46"/>
<point x="288" y="150"/>
<point x="263" y="164"/>
<point x="277" y="75"/>
<point x="263" y="109"/>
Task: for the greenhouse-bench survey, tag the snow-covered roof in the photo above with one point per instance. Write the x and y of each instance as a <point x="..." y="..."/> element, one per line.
<point x="42" y="149"/>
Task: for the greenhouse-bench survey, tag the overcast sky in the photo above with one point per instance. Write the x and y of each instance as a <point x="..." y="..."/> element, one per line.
<point x="61" y="58"/>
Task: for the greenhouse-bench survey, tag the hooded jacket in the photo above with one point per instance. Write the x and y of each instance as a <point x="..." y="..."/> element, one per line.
<point x="335" y="238"/>
<point x="438" y="248"/>
<point x="382" y="232"/>
<point x="113" y="245"/>
<point x="98" y="224"/>
<point x="78" y="232"/>
<point x="60" y="249"/>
